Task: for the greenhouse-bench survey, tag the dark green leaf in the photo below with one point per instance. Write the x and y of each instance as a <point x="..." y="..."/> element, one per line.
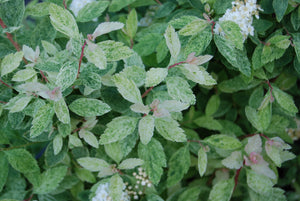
<point x="280" y="7"/>
<point x="12" y="12"/>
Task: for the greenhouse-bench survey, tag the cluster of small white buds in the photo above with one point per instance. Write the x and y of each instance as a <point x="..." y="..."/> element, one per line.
<point x="102" y="194"/>
<point x="142" y="182"/>
<point x="242" y="14"/>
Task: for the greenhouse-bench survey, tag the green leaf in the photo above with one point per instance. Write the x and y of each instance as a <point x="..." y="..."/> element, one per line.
<point x="237" y="58"/>
<point x="260" y="183"/>
<point x="198" y="43"/>
<point x="198" y="74"/>
<point x="22" y="161"/>
<point x="274" y="153"/>
<point x="155" y="76"/>
<point x="136" y="74"/>
<point x="208" y="122"/>
<point x="295" y="18"/>
<point x="20" y="104"/>
<point x="259" y="119"/>
<point x="169" y="129"/>
<point x="39" y="9"/>
<point x="194" y="27"/>
<point x="63" y="21"/>
<point x="24" y="75"/>
<point x="154" y="159"/>
<point x="4" y="170"/>
<point x="127" y="89"/>
<point x="172" y="41"/>
<point x="11" y="62"/>
<point x="89" y="138"/>
<point x="234" y="161"/>
<point x="132" y="24"/>
<point x="106" y="27"/>
<point x="115" y="51"/>
<point x="50" y="179"/>
<point x="95" y="55"/>
<point x="224" y="142"/>
<point x="233" y="33"/>
<point x="62" y="111"/>
<point x="12" y="12"/>
<point x="67" y="75"/>
<point x="285" y="101"/>
<point x="180" y="22"/>
<point x="165" y="9"/>
<point x="64" y="129"/>
<point x="114" y="151"/>
<point x="91" y="80"/>
<point x="202" y="161"/>
<point x="117" y="5"/>
<point x="88" y="107"/>
<point x="146" y="129"/>
<point x="179" y="89"/>
<point x="280" y="7"/>
<point x="131" y="163"/>
<point x="222" y="191"/>
<point x="49" y="47"/>
<point x="256" y="57"/>
<point x="85" y="175"/>
<point x="93" y="164"/>
<point x="41" y="120"/>
<point x="179" y="164"/>
<point x="153" y="197"/>
<point x="236" y="84"/>
<point x="296" y="41"/>
<point x="212" y="105"/>
<point x="116" y="186"/>
<point x="118" y="129"/>
<point x="190" y="194"/>
<point x="51" y="159"/>
<point x="147" y="44"/>
<point x="57" y="144"/>
<point x="91" y="11"/>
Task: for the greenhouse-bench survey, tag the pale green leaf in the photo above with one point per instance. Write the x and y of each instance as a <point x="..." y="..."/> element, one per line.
<point x="155" y="76"/>
<point x="174" y="105"/>
<point x="146" y="129"/>
<point x="154" y="159"/>
<point x="208" y="122"/>
<point x="24" y="75"/>
<point x="127" y="89"/>
<point x="95" y="55"/>
<point x="285" y="101"/>
<point x="117" y="5"/>
<point x="20" y="104"/>
<point x="39" y="9"/>
<point x="116" y="186"/>
<point x="85" y="175"/>
<point x="136" y="74"/>
<point x="274" y="153"/>
<point x="67" y="75"/>
<point x="202" y="161"/>
<point x="50" y="179"/>
<point x="41" y="120"/>
<point x="179" y="164"/>
<point x="259" y="119"/>
<point x="62" y="111"/>
<point x="57" y="144"/>
<point x="190" y="194"/>
<point x="222" y="191"/>
<point x="63" y="21"/>
<point x="179" y="89"/>
<point x="194" y="27"/>
<point x="49" y="47"/>
<point x="115" y="51"/>
<point x="132" y="24"/>
<point x="233" y="33"/>
<point x="169" y="129"/>
<point x="118" y="129"/>
<point x="106" y="27"/>
<point x="172" y="41"/>
<point x="261" y="184"/>
<point x="91" y="11"/>
<point x="140" y="108"/>
<point x="224" y="142"/>
<point x="75" y="141"/>
<point x="114" y="151"/>
<point x="11" y="62"/>
<point x="89" y="138"/>
<point x="198" y="74"/>
<point x="88" y="107"/>
<point x="131" y="163"/>
<point x="93" y="164"/>
<point x="234" y="161"/>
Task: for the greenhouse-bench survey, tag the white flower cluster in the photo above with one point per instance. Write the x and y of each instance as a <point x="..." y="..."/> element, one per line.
<point x="142" y="181"/>
<point x="77" y="5"/>
<point x="102" y="194"/>
<point x="242" y="14"/>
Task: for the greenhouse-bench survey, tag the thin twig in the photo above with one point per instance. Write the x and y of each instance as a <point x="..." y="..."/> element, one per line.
<point x="176" y="64"/>
<point x="146" y="92"/>
<point x="65" y="5"/>
<point x="20" y="146"/>
<point x="6" y="84"/>
<point x="9" y="36"/>
<point x="81" y="57"/>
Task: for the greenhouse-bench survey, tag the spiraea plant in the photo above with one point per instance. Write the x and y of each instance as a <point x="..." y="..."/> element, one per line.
<point x="149" y="100"/>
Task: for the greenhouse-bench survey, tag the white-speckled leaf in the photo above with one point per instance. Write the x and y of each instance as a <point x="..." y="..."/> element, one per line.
<point x="49" y="47"/>
<point x="172" y="41"/>
<point x="88" y="107"/>
<point x="93" y="164"/>
<point x="202" y="161"/>
<point x="19" y="104"/>
<point x="115" y="51"/>
<point x="222" y="191"/>
<point x="11" y="62"/>
<point x="95" y="55"/>
<point x="140" y="108"/>
<point x="116" y="186"/>
<point x="62" y="111"/>
<point x="136" y="74"/>
<point x="67" y="75"/>
<point x="234" y="161"/>
<point x="198" y="74"/>
<point x="285" y="101"/>
<point x="118" y="129"/>
<point x="23" y="75"/>
<point x="57" y="144"/>
<point x="146" y="129"/>
<point x="131" y="163"/>
<point x="63" y="21"/>
<point x="179" y="89"/>
<point x="91" y="11"/>
<point x="261" y="184"/>
<point x="194" y="27"/>
<point x="222" y="141"/>
<point x="254" y="144"/>
<point x="107" y="27"/>
<point x="174" y="105"/>
<point x="41" y="120"/>
<point x="89" y="138"/>
<point x="169" y="129"/>
<point x="127" y="89"/>
<point x="155" y="76"/>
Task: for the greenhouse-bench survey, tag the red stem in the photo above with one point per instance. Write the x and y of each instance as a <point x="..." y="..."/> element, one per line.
<point x="131" y="43"/>
<point x="236" y="177"/>
<point x="157" y="1"/>
<point x="9" y="36"/>
<point x="3" y="102"/>
<point x="198" y="141"/>
<point x="6" y="84"/>
<point x="212" y="27"/>
<point x="43" y="75"/>
<point x="271" y="90"/>
<point x="81" y="57"/>
<point x="146" y="92"/>
<point x="176" y="64"/>
<point x="261" y="134"/>
<point x="65" y="5"/>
